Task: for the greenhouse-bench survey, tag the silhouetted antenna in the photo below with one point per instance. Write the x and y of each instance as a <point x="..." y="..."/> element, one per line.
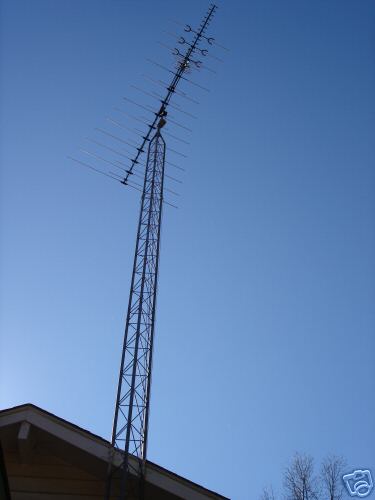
<point x="130" y="425"/>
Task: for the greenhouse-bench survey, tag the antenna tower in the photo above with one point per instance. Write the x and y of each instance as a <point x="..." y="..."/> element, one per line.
<point x="131" y="417"/>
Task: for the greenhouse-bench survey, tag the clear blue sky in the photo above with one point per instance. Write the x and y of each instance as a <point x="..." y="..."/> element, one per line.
<point x="265" y="324"/>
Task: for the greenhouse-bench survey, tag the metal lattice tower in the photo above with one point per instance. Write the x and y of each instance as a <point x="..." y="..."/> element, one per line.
<point x="130" y="426"/>
<point x="133" y="396"/>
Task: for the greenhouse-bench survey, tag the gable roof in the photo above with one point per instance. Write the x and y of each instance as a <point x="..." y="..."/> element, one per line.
<point x="91" y="449"/>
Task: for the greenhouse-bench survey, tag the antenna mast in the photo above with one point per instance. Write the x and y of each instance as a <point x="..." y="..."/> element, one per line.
<point x="130" y="424"/>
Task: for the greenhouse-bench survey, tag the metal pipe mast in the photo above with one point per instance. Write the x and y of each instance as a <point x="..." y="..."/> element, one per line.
<point x="130" y="424"/>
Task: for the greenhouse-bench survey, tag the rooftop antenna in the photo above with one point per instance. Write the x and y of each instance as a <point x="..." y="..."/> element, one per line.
<point x="131" y="416"/>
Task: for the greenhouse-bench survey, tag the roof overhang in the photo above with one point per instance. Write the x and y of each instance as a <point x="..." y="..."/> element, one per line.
<point x="23" y="426"/>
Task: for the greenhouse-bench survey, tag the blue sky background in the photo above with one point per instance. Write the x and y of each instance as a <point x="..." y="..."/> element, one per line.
<point x="265" y="325"/>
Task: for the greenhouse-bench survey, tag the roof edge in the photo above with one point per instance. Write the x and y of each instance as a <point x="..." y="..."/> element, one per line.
<point x="96" y="437"/>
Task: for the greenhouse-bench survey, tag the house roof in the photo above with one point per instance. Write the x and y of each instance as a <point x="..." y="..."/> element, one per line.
<point x="89" y="450"/>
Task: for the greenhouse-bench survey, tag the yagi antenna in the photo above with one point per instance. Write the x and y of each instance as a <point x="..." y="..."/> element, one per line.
<point x="181" y="70"/>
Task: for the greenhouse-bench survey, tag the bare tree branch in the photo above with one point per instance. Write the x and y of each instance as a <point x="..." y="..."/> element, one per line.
<point x="330" y="475"/>
<point x="299" y="482"/>
<point x="267" y="494"/>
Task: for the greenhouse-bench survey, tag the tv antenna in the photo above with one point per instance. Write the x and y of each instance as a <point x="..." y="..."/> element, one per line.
<point x="131" y="416"/>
